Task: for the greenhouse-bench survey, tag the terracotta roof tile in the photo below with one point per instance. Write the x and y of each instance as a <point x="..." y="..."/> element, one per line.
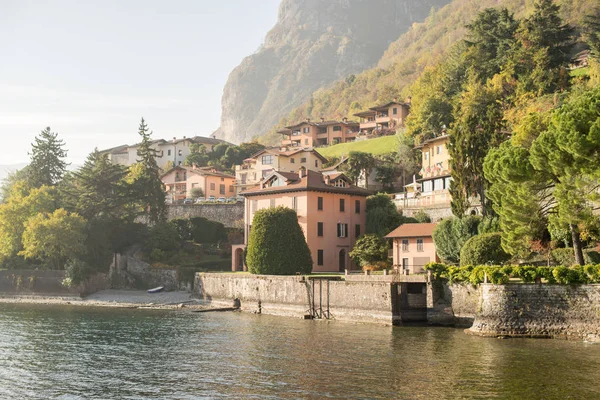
<point x="412" y="230"/>
<point x="313" y="181"/>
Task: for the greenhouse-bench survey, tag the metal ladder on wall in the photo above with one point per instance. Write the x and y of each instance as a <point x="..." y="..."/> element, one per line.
<point x="318" y="309"/>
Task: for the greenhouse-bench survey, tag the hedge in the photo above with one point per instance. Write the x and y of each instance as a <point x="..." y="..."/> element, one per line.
<point x="276" y="245"/>
<point x="483" y="249"/>
<point x="497" y="274"/>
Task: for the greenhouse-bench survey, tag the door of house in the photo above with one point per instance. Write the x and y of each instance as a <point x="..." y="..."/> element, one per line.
<point x="342" y="261"/>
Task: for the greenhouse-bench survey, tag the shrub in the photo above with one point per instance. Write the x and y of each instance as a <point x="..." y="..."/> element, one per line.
<point x="451" y="234"/>
<point x="560" y="273"/>
<point x="76" y="272"/>
<point x="483" y="249"/>
<point x="566" y="256"/>
<point x="276" y="245"/>
<point x="438" y="270"/>
<point x="592" y="257"/>
<point x="183" y="227"/>
<point x="196" y="192"/>
<point x="376" y="266"/>
<point x="206" y="231"/>
<point x="163" y="236"/>
<point x="526" y="273"/>
<point x="157" y="255"/>
<point x="489" y="225"/>
<point x="369" y="249"/>
<point x="422" y="217"/>
<point x="501" y="274"/>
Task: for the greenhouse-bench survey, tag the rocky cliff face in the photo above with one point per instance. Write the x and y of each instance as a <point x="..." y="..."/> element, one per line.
<point x="313" y="44"/>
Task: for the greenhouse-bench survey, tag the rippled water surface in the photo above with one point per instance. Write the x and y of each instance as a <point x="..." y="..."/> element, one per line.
<point x="74" y="352"/>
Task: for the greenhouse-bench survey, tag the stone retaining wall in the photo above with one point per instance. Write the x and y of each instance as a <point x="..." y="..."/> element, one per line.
<point x="290" y="296"/>
<point x="30" y="282"/>
<point x="131" y="272"/>
<point x="227" y="214"/>
<point x="452" y="304"/>
<point x="530" y="310"/>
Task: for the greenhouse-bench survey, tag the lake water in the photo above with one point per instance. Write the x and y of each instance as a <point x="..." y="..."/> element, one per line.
<point x="74" y="352"/>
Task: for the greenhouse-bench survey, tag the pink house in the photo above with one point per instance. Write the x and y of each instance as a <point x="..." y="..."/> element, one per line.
<point x="413" y="247"/>
<point x="331" y="212"/>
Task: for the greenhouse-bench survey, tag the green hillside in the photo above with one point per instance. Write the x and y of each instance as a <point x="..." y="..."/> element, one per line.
<point x="423" y="46"/>
<point x="382" y="145"/>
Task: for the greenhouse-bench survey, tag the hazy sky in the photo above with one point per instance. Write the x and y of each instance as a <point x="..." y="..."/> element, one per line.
<point x="91" y="69"/>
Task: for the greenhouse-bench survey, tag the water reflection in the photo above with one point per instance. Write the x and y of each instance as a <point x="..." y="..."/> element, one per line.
<point x="70" y="352"/>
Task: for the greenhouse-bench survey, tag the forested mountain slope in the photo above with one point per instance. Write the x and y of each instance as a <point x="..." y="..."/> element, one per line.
<point x="313" y="44"/>
<point x="425" y="44"/>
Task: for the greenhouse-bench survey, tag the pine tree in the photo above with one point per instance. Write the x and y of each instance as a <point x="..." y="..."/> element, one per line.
<point x="98" y="189"/>
<point x="148" y="186"/>
<point x="555" y="182"/>
<point x="591" y="31"/>
<point x="48" y="164"/>
<point x="541" y="54"/>
<point x="490" y="40"/>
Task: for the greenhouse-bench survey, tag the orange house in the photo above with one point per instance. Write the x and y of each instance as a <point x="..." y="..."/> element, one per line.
<point x="331" y="212"/>
<point x="413" y="247"/>
<point x="179" y="181"/>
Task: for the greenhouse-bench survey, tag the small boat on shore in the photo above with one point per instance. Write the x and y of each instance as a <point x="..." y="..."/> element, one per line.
<point x="156" y="289"/>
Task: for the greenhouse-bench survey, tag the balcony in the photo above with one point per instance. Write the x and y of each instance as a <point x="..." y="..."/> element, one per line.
<point x="382" y="119"/>
<point x="368" y="125"/>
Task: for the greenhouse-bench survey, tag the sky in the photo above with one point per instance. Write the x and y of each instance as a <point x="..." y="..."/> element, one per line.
<point x="91" y="69"/>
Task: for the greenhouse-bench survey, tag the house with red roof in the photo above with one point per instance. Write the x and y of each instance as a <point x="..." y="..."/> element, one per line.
<point x="331" y="212"/>
<point x="413" y="247"/>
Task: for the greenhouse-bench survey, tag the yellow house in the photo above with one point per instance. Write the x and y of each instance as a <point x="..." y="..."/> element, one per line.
<point x="261" y="164"/>
<point x="435" y="179"/>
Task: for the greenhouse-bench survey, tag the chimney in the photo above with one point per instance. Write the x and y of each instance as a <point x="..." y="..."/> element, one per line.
<point x="184" y="137"/>
<point x="307" y="119"/>
<point x="345" y="119"/>
<point x="408" y="99"/>
<point x="302" y="172"/>
<point x="174" y="138"/>
<point x="327" y="180"/>
<point x="322" y="119"/>
<point x="395" y="99"/>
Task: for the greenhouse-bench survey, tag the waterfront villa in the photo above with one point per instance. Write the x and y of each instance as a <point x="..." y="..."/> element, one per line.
<point x="318" y="134"/>
<point x="284" y="159"/>
<point x="180" y="180"/>
<point x="383" y="117"/>
<point x="413" y="247"/>
<point x="331" y="212"/>
<point x="168" y="152"/>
